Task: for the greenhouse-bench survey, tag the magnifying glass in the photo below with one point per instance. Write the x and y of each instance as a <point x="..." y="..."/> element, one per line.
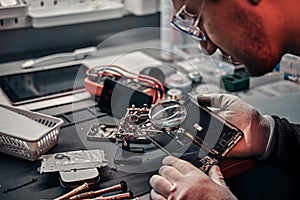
<point x="167" y="114"/>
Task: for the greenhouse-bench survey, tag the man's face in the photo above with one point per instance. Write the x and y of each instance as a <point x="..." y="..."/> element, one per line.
<point x="240" y="29"/>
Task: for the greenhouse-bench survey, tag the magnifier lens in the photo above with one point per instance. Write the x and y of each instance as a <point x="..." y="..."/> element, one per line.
<point x="167" y="114"/>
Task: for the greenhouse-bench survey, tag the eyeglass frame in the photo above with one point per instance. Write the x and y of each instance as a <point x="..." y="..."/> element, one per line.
<point x="188" y="27"/>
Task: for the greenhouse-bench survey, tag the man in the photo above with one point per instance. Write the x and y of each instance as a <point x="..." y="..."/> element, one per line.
<point x="256" y="33"/>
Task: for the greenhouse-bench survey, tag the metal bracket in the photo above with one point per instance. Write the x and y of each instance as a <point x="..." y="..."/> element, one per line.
<point x="71" y="160"/>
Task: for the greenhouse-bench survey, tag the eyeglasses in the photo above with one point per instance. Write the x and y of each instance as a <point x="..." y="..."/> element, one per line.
<point x="188" y="23"/>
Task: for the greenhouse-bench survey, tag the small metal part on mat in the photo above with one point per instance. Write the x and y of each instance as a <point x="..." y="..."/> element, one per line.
<point x="72" y="160"/>
<point x="102" y="132"/>
<point x="174" y="93"/>
<point x="195" y="76"/>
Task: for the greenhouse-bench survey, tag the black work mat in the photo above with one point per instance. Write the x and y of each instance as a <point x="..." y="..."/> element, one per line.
<point x="25" y="182"/>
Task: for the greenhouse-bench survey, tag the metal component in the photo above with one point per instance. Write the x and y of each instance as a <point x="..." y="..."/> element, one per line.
<point x="195" y="76"/>
<point x="174" y="93"/>
<point x="135" y="125"/>
<point x="73" y="160"/>
<point x="100" y="132"/>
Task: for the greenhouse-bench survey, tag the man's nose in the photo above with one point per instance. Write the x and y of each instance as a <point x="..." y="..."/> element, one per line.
<point x="208" y="47"/>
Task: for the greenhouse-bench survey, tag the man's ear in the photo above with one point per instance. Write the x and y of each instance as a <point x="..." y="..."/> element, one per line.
<point x="255" y="2"/>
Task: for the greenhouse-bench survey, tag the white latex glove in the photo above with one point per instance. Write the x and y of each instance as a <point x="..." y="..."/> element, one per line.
<point x="257" y="129"/>
<point x="180" y="180"/>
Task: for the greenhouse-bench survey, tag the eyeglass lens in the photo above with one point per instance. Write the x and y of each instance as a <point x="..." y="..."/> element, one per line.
<point x="188" y="23"/>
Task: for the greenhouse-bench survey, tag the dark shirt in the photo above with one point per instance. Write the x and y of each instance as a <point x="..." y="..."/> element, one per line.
<point x="286" y="150"/>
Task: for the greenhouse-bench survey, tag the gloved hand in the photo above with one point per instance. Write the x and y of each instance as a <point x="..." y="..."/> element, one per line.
<point x="257" y="129"/>
<point x="179" y="179"/>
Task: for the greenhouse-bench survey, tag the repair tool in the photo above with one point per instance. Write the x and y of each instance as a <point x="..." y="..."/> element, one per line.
<point x="121" y="186"/>
<point x="77" y="190"/>
<point x="127" y="195"/>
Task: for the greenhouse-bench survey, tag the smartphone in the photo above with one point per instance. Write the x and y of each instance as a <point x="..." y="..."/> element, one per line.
<point x="202" y="138"/>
